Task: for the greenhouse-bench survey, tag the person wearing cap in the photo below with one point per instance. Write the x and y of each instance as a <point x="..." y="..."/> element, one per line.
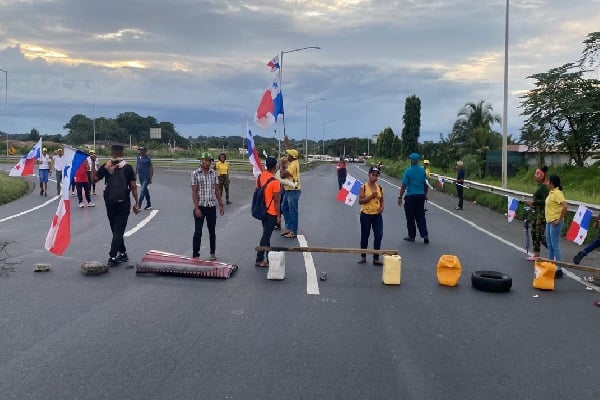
<point x="89" y="171"/>
<point x="205" y="197"/>
<point x="44" y="161"/>
<point x="555" y="212"/>
<point x="272" y="201"/>
<point x="342" y="171"/>
<point x="222" y="168"/>
<point x="459" y="184"/>
<point x="370" y="198"/>
<point x="414" y="194"/>
<point x="120" y="182"/>
<point x="292" y="193"/>
<point x="58" y="162"/>
<point x="145" y="171"/>
<point x="427" y="169"/>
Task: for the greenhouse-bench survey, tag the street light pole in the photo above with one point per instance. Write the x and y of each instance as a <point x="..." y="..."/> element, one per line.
<point x="281" y="80"/>
<point x="6" y="106"/>
<point x="505" y="108"/>
<point x="306" y="127"/>
<point x="325" y="123"/>
<point x="94" y="125"/>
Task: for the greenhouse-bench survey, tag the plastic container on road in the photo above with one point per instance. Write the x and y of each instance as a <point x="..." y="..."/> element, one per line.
<point x="392" y="269"/>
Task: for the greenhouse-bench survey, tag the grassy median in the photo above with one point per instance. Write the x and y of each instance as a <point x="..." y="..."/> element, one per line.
<point x="11" y="188"/>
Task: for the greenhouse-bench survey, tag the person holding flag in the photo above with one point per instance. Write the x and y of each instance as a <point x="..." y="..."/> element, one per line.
<point x="590" y="247"/>
<point x="556" y="209"/>
<point x="44" y="171"/>
<point x="370" y="199"/>
<point x="292" y="193"/>
<point x="26" y="164"/>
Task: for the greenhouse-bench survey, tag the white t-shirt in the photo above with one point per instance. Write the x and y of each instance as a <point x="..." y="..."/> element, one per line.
<point x="58" y="162"/>
<point x="45" y="161"/>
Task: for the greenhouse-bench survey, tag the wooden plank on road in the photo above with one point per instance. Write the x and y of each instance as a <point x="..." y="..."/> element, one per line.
<point x="326" y="250"/>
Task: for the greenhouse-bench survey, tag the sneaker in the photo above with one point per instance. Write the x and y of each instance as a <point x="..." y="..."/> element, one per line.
<point x="458" y="208"/>
<point x="91" y="205"/>
<point x="80" y="205"/>
<point x="532" y="258"/>
<point x="558" y="274"/>
<point x="227" y="202"/>
<point x="148" y="207"/>
<point x="578" y="257"/>
<point x="72" y="194"/>
<point x="112" y="261"/>
<point x="45" y="194"/>
<point x="426" y="240"/>
<point x="122" y="257"/>
<point x="41" y="192"/>
<point x="409" y="239"/>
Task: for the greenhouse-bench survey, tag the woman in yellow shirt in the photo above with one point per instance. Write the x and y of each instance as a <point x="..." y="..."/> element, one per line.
<point x="370" y="199"/>
<point x="556" y="209"/>
<point x="222" y="167"/>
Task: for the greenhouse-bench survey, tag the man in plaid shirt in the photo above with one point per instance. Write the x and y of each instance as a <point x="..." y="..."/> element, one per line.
<point x="205" y="195"/>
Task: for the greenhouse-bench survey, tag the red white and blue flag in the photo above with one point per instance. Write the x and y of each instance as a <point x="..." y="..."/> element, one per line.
<point x="59" y="235"/>
<point x="271" y="103"/>
<point x="349" y="191"/>
<point x="274" y="63"/>
<point x="513" y="204"/>
<point x="26" y="164"/>
<point x="257" y="166"/>
<point x="441" y="182"/>
<point x="579" y="227"/>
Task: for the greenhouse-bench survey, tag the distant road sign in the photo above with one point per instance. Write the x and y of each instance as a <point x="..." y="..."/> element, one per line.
<point x="12" y="151"/>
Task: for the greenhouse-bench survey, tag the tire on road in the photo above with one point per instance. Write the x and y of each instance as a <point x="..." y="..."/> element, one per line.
<point x="491" y="281"/>
<point x="93" y="268"/>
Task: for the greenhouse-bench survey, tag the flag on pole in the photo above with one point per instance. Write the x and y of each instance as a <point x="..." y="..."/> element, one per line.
<point x="26" y="164"/>
<point x="579" y="227"/>
<point x="274" y="63"/>
<point x="441" y="182"/>
<point x="349" y="191"/>
<point x="271" y="103"/>
<point x="512" y="208"/>
<point x="257" y="166"/>
<point x="59" y="235"/>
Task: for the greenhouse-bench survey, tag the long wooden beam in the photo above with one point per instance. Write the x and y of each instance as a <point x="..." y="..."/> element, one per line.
<point x="572" y="266"/>
<point x="326" y="250"/>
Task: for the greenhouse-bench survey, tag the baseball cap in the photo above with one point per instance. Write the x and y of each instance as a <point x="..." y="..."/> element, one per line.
<point x="374" y="170"/>
<point x="292" y="152"/>
<point x="92" y="152"/>
<point x="415" y="157"/>
<point x="59" y="150"/>
<point x="44" y="149"/>
<point x="206" y="156"/>
<point x="425" y="161"/>
<point x="142" y="148"/>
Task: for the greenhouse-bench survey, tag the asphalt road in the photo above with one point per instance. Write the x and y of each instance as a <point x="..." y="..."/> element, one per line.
<point x="121" y="336"/>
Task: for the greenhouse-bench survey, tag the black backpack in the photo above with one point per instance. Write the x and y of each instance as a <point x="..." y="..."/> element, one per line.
<point x="117" y="187"/>
<point x="259" y="206"/>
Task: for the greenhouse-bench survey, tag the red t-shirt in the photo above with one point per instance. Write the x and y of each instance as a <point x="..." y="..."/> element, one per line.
<point x="81" y="174"/>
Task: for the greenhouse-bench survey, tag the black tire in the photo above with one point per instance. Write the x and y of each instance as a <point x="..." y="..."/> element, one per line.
<point x="491" y="281"/>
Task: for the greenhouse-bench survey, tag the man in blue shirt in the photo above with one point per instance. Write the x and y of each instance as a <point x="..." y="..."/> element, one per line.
<point x="145" y="171"/>
<point x="414" y="193"/>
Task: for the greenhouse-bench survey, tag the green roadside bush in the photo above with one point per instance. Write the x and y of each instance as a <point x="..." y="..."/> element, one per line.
<point x="11" y="188"/>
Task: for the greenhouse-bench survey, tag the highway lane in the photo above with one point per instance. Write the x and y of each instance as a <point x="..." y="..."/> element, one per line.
<point x="68" y="336"/>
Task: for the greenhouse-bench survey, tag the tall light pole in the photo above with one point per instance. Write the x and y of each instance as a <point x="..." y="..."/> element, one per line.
<point x="281" y="80"/>
<point x="306" y="126"/>
<point x="505" y="108"/>
<point x="94" y="125"/>
<point x="325" y="123"/>
<point x="6" y="106"/>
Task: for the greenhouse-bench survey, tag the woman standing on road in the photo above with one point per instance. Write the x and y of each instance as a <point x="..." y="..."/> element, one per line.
<point x="370" y="199"/>
<point x="556" y="209"/>
<point x="538" y="223"/>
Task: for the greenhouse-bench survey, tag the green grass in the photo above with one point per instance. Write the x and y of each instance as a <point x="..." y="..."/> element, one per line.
<point x="11" y="188"/>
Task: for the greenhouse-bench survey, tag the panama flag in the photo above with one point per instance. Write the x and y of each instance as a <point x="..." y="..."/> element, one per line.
<point x="271" y="103"/>
<point x="441" y="182"/>
<point x="349" y="191"/>
<point x="59" y="235"/>
<point x="25" y="165"/>
<point x="257" y="166"/>
<point x="274" y="63"/>
<point x="580" y="225"/>
<point x="512" y="208"/>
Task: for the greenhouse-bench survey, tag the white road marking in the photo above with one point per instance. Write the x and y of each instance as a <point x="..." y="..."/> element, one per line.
<point x="312" y="285"/>
<point x="502" y="240"/>
<point x="141" y="224"/>
<point x="48" y="202"/>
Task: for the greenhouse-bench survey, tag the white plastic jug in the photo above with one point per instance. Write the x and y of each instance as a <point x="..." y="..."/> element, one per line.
<point x="276" y="266"/>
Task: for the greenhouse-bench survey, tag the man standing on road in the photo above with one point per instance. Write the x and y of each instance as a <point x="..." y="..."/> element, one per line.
<point x="272" y="201"/>
<point x="342" y="171"/>
<point x="222" y="167"/>
<point x="145" y="171"/>
<point x="205" y="196"/>
<point x="58" y="163"/>
<point x="120" y="181"/>
<point x="44" y="171"/>
<point x="415" y="187"/>
<point x="459" y="184"/>
<point x="292" y="193"/>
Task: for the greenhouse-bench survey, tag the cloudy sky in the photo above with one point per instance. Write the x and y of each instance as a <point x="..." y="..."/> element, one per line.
<point x="201" y="64"/>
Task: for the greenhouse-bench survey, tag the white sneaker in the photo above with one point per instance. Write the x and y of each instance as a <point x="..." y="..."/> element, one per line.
<point x="80" y="205"/>
<point x="91" y="205"/>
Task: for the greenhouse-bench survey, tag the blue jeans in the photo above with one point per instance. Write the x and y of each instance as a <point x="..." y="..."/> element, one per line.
<point x="291" y="198"/>
<point x="144" y="181"/>
<point x="285" y="212"/>
<point x="553" y="240"/>
<point x="590" y="247"/>
<point x="368" y="221"/>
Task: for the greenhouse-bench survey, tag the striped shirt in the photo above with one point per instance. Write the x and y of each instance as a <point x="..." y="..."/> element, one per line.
<point x="205" y="185"/>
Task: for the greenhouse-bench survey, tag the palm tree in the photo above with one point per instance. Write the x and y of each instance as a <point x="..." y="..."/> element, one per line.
<point x="475" y="121"/>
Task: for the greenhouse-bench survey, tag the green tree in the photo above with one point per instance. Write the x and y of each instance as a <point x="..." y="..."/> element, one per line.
<point x="412" y="126"/>
<point x="34" y="135"/>
<point x="388" y="144"/>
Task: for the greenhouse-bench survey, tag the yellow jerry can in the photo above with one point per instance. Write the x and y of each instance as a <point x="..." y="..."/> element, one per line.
<point x="544" y="275"/>
<point x="448" y="270"/>
<point x="392" y="269"/>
